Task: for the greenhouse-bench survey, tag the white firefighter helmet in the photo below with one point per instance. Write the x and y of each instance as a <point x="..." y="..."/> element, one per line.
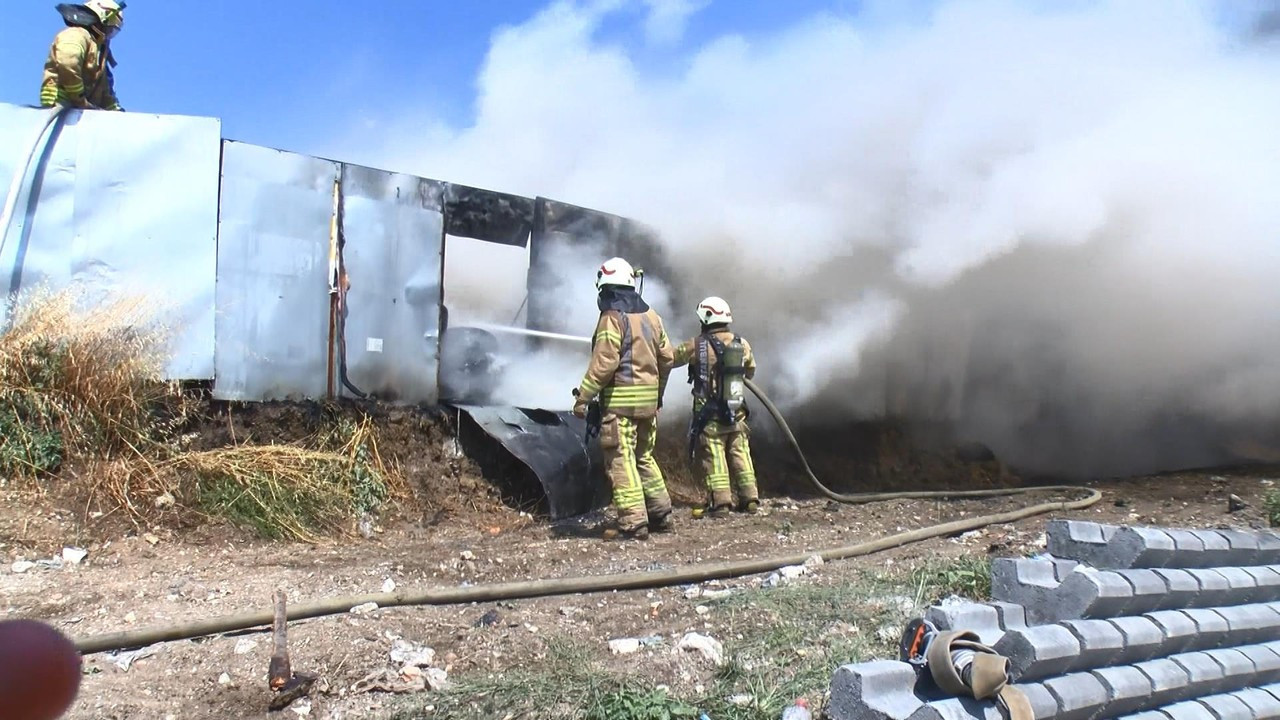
<point x="714" y="310"/>
<point x="110" y="13"/>
<point x="615" y="271"/>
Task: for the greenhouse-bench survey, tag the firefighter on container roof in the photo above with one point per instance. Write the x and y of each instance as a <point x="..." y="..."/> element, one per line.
<point x="718" y="363"/>
<point x="630" y="361"/>
<point x="78" y="71"/>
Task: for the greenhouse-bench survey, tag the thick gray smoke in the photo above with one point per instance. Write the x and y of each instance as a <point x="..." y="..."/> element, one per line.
<point x="1054" y="225"/>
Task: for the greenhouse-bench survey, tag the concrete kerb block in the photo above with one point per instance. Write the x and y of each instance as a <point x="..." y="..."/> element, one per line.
<point x="1179" y="630"/>
<point x="1266" y="663"/>
<point x="1168" y="680"/>
<point x="1038" y="651"/>
<point x="1012" y="615"/>
<point x="1244" y="546"/>
<point x="1140" y="547"/>
<point x="1267" y="580"/>
<point x="1147" y="715"/>
<point x="1237" y="669"/>
<point x="1150" y="591"/>
<point x="1183" y="587"/>
<point x="1079" y="695"/>
<point x="1204" y="674"/>
<point x="1215" y="589"/>
<point x="1143" y="639"/>
<point x="1262" y="703"/>
<point x="1189" y="710"/>
<point x="1225" y="707"/>
<point x="1217" y="551"/>
<point x="1043" y="704"/>
<point x="1090" y="594"/>
<point x="1100" y="643"/>
<point x="1078" y="540"/>
<point x="1188" y="549"/>
<point x="1021" y="581"/>
<point x="1128" y="689"/>
<point x="1272" y="689"/>
<point x="1213" y="628"/>
<point x="879" y="690"/>
<point x="1241" y="587"/>
<point x="956" y="614"/>
<point x="1268" y="548"/>
<point x="958" y="709"/>
<point x="1248" y="624"/>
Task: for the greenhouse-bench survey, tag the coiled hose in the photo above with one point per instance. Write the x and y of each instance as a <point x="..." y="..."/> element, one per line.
<point x="608" y="583"/>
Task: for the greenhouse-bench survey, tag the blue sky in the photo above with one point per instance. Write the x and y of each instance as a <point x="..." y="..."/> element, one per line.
<point x="296" y="75"/>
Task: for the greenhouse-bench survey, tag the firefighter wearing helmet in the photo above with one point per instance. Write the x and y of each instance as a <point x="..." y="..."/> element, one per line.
<point x="630" y="361"/>
<point x="719" y="361"/>
<point x="78" y="71"/>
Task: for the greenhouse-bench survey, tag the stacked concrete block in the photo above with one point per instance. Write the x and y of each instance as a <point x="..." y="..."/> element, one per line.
<point x="1117" y="623"/>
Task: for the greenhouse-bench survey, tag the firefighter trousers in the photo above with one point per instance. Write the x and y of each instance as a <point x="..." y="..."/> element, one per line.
<point x="723" y="454"/>
<point x="639" y="490"/>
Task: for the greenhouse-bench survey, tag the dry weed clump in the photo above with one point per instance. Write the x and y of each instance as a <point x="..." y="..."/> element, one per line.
<point x="78" y="374"/>
<point x="294" y="492"/>
<point x="82" y="379"/>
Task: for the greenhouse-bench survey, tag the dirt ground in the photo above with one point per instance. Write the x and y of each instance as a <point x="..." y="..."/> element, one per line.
<point x="143" y="578"/>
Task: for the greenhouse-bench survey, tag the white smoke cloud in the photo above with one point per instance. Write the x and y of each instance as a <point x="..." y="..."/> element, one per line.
<point x="1052" y="224"/>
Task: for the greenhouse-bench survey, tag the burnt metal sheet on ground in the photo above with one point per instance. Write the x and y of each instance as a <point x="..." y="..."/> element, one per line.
<point x="120" y="203"/>
<point x="487" y="215"/>
<point x="394" y="235"/>
<point x="551" y="444"/>
<point x="273" y="264"/>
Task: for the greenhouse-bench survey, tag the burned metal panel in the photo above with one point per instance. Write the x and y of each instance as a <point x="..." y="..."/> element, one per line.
<point x="487" y="215"/>
<point x="273" y="262"/>
<point x="120" y="203"/>
<point x="562" y="236"/>
<point x="394" y="233"/>
<point x="552" y="445"/>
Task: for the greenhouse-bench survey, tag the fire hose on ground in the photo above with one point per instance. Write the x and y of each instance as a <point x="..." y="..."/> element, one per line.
<point x="623" y="581"/>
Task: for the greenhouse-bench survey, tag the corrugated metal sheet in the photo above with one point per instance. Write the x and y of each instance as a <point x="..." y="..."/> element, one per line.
<point x="394" y="234"/>
<point x="121" y="202"/>
<point x="273" y="288"/>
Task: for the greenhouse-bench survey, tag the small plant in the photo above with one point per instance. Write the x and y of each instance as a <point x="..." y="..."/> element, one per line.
<point x="968" y="576"/>
<point x="637" y="704"/>
<point x="1271" y="503"/>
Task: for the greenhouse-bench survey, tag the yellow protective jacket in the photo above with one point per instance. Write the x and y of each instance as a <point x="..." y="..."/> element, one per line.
<point x="630" y="361"/>
<point x="78" y="71"/>
<point x="687" y="353"/>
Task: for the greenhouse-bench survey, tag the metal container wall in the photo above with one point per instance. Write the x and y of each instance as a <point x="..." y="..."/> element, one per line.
<point x="120" y="203"/>
<point x="394" y="234"/>
<point x="273" y="264"/>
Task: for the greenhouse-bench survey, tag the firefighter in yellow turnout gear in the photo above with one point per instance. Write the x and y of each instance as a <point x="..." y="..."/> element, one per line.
<point x="718" y="362"/>
<point x="78" y="71"/>
<point x="630" y="361"/>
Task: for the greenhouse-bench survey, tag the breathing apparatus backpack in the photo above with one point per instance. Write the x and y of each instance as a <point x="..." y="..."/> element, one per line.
<point x="722" y="400"/>
<point x="956" y="664"/>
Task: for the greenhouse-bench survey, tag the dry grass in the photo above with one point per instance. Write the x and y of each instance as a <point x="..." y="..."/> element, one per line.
<point x="82" y="385"/>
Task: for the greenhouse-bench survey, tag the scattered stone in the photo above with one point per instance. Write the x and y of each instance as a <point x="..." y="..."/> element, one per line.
<point x="244" y="646"/>
<point x="437" y="679"/>
<point x="406" y="653"/>
<point x="624" y="646"/>
<point x="489" y="619"/>
<point x="364" y="609"/>
<point x="569" y="611"/>
<point x="774" y="580"/>
<point x="125" y="659"/>
<point x="1235" y="503"/>
<point x="709" y="647"/>
<point x="693" y="592"/>
<point x="791" y="572"/>
<point x="301" y="707"/>
<point x="151" y="538"/>
<point x="702" y="609"/>
<point x="224" y="680"/>
<point x="22" y="566"/>
<point x="814" y="561"/>
<point x="716" y="594"/>
<point x="468" y="555"/>
<point x="165" y="501"/>
<point x="388" y="585"/>
<point x="740" y="700"/>
<point x="74" y="555"/>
